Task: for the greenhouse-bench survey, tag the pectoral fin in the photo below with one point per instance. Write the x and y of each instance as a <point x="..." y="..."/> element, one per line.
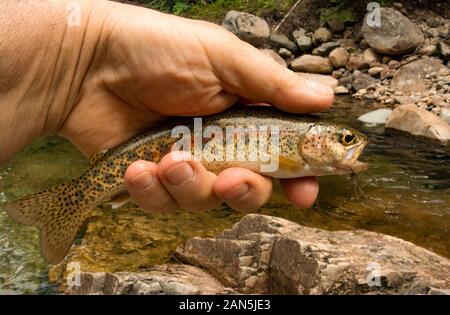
<point x="120" y="199"/>
<point x="289" y="164"/>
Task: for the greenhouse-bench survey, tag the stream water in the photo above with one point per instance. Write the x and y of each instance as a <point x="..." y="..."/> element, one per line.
<point x="405" y="193"/>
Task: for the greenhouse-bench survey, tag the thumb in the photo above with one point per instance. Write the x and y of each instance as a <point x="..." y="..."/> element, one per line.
<point x="249" y="73"/>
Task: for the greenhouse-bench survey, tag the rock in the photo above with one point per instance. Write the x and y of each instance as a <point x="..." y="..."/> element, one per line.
<point x="418" y="122"/>
<point x="362" y="80"/>
<point x="347" y="43"/>
<point x="437" y="100"/>
<point x="387" y="73"/>
<point x="363" y="44"/>
<point x="336" y="26"/>
<point x="163" y="279"/>
<point x="269" y="255"/>
<point x="376" y="117"/>
<point x="341" y="90"/>
<point x="320" y="78"/>
<point x="356" y="62"/>
<point x="444" y="71"/>
<point x="247" y="27"/>
<point x="339" y="57"/>
<point x="280" y="40"/>
<point x="444" y="50"/>
<point x="337" y="74"/>
<point x="371" y="57"/>
<point x="445" y="115"/>
<point x="314" y="64"/>
<point x="386" y="59"/>
<point x="396" y="35"/>
<point x="322" y="35"/>
<point x="274" y="56"/>
<point x="394" y="64"/>
<point x="285" y="53"/>
<point x="324" y="49"/>
<point x="428" y="50"/>
<point x="346" y="81"/>
<point x="412" y="77"/>
<point x="304" y="42"/>
<point x="375" y="71"/>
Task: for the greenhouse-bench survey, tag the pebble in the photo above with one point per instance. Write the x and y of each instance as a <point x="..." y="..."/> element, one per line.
<point x="375" y="71"/>
<point x="341" y="90"/>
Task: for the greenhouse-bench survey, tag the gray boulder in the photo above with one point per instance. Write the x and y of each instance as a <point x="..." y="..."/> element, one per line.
<point x="304" y="41"/>
<point x="395" y="35"/>
<point x="247" y="27"/>
<point x="418" y="122"/>
<point x="411" y="78"/>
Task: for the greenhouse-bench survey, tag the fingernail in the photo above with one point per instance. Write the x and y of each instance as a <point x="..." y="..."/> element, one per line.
<point x="237" y="192"/>
<point x="319" y="88"/>
<point x="179" y="174"/>
<point x="143" y="181"/>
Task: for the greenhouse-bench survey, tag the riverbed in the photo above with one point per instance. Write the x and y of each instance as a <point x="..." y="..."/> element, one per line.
<point x="405" y="193"/>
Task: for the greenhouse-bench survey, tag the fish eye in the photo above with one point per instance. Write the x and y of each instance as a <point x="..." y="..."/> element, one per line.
<point x="347" y="138"/>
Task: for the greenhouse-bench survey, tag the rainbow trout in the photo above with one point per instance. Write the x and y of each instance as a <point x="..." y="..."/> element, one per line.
<point x="262" y="139"/>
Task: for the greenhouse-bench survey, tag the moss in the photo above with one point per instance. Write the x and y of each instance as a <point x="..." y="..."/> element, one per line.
<point x="346" y="11"/>
<point x="216" y="10"/>
<point x="337" y="14"/>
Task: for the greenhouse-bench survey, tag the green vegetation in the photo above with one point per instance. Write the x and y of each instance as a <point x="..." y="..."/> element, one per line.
<point x="346" y="10"/>
<point x="215" y="10"/>
<point x="337" y="13"/>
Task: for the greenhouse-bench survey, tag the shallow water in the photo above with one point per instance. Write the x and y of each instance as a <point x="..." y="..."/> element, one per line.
<point x="405" y="193"/>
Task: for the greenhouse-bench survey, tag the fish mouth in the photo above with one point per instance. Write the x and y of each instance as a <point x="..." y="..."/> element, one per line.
<point x="350" y="164"/>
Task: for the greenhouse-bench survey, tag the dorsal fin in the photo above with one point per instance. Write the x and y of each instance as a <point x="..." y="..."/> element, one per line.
<point x="97" y="157"/>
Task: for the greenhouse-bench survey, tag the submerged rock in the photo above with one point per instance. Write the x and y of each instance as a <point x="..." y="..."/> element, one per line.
<point x="376" y="117"/>
<point x="418" y="122"/>
<point x="247" y="27"/>
<point x="395" y="35"/>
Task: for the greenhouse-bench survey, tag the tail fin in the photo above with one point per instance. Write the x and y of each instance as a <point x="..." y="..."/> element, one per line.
<point x="55" y="215"/>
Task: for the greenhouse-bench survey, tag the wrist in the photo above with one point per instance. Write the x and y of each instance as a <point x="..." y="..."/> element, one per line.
<point x="45" y="57"/>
